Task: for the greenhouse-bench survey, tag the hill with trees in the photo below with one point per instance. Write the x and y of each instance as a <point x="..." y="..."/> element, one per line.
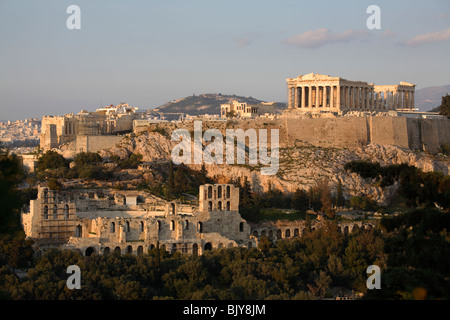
<point x="208" y="103"/>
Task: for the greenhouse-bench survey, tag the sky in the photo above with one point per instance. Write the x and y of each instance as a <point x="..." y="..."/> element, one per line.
<point x="147" y="53"/>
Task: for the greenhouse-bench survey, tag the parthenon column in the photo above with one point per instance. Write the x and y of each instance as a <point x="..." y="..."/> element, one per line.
<point x="295" y="97"/>
<point x="324" y="96"/>
<point x="309" y="96"/>
<point x="303" y="97"/>
<point x="317" y="96"/>
<point x="289" y="97"/>
<point x="338" y="97"/>
<point x="332" y="96"/>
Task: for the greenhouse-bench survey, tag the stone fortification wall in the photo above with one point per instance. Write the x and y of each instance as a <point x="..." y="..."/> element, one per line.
<point x="95" y="143"/>
<point x="341" y="132"/>
<point x="417" y="134"/>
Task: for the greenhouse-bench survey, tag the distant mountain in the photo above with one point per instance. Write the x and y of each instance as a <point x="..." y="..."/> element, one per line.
<point x="429" y="98"/>
<point x="208" y="103"/>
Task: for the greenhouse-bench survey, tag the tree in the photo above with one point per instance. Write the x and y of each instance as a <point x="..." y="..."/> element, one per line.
<point x="444" y="108"/>
<point x="50" y="160"/>
<point x="203" y="174"/>
<point x="11" y="173"/>
<point x="340" y="200"/>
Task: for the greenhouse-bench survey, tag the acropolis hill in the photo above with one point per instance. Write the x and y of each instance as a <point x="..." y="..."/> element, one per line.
<point x="322" y="111"/>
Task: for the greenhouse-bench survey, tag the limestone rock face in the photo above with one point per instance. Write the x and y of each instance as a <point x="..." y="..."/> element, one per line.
<point x="152" y="146"/>
<point x="301" y="166"/>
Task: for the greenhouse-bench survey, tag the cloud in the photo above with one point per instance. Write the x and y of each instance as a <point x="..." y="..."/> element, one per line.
<point x="439" y="36"/>
<point x="246" y="39"/>
<point x="388" y="33"/>
<point x="316" y="38"/>
<point x="242" y="42"/>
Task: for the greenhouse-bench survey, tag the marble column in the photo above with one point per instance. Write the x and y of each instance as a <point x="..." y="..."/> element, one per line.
<point x="317" y="96"/>
<point x="295" y="97"/>
<point x="338" y="96"/>
<point x="332" y="96"/>
<point x="309" y="96"/>
<point x="303" y="97"/>
<point x="324" y="96"/>
<point x="289" y="98"/>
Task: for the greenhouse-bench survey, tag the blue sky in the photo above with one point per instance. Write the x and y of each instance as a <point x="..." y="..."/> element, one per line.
<point x="149" y="52"/>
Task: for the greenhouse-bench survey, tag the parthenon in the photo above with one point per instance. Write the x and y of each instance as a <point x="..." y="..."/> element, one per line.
<point x="318" y="92"/>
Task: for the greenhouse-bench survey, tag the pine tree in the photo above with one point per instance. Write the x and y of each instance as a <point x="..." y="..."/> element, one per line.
<point x="171" y="180"/>
<point x="340" y="201"/>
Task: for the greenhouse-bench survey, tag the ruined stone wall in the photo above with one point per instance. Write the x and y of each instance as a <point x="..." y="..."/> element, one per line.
<point x="96" y="143"/>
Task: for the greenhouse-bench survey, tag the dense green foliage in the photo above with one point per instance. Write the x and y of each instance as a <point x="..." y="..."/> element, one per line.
<point x="444" y="108"/>
<point x="252" y="206"/>
<point x="301" y="268"/>
<point x="88" y="165"/>
<point x="131" y="162"/>
<point x="417" y="187"/>
<point x="418" y="249"/>
<point x="11" y="198"/>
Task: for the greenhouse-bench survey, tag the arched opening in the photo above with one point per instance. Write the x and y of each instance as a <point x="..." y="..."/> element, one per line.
<point x="112" y="227"/>
<point x="195" y="249"/>
<point x="270" y="234"/>
<point x="117" y="251"/>
<point x="46" y="212"/>
<point x="278" y="234"/>
<point x="78" y="231"/>
<point x="241" y="227"/>
<point x="210" y="206"/>
<point x="66" y="212"/>
<point x="199" y="227"/>
<point x="296" y="233"/>
<point x="158" y="225"/>
<point x="129" y="250"/>
<point x="141" y="226"/>
<point x="208" y="246"/>
<point x="106" y="251"/>
<point x="263" y="233"/>
<point x="209" y="192"/>
<point x="140" y="250"/>
<point x="55" y="212"/>
<point x="346" y="230"/>
<point x="287" y="233"/>
<point x="228" y="192"/>
<point x="89" y="251"/>
<point x="186" y="224"/>
<point x="230" y="245"/>
<point x="219" y="206"/>
<point x="45" y="195"/>
<point x="172" y="208"/>
<point x="219" y="192"/>
<point x="127" y="226"/>
<point x="172" y="225"/>
<point x="228" y="206"/>
<point x="255" y="233"/>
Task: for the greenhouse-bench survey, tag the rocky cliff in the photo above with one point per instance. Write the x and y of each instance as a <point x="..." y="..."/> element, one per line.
<point x="300" y="166"/>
